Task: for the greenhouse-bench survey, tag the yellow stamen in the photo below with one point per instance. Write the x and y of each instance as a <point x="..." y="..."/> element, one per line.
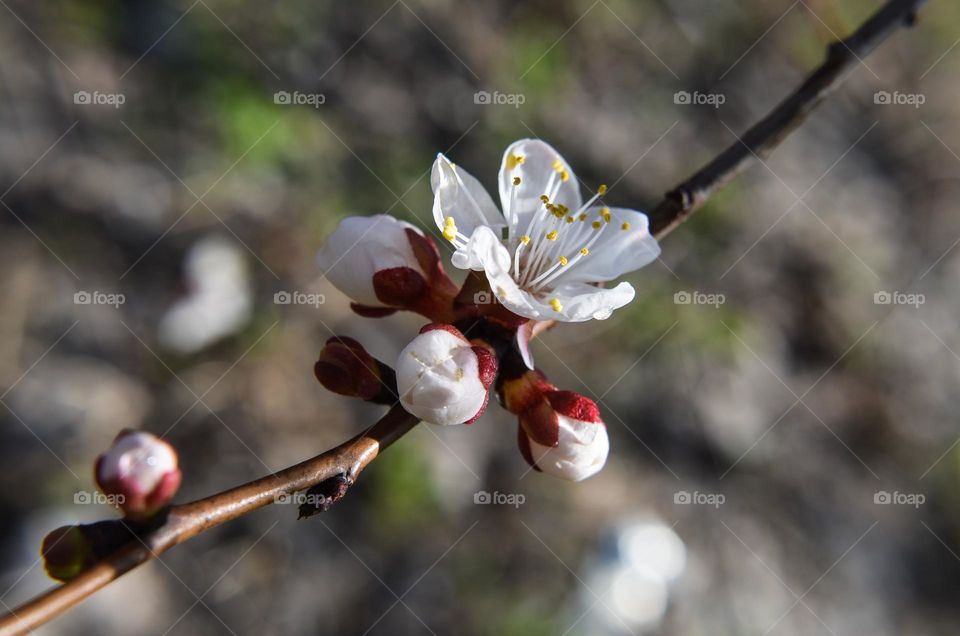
<point x="552" y="236"/>
<point x="605" y="213"/>
<point x="596" y="225"/>
<point x="564" y="176"/>
<point x="569" y="219"/>
<point x="584" y="251"/>
<point x="625" y="226"/>
<point x="545" y="198"/>
<point x="450" y="233"/>
<point x="563" y="260"/>
<point x="602" y="190"/>
<point x="513" y="161"/>
<point x="449" y="221"/>
<point x="516" y="181"/>
<point x="583" y="217"/>
<point x="557" y="307"/>
<point x="525" y="239"/>
<point x="558" y="165"/>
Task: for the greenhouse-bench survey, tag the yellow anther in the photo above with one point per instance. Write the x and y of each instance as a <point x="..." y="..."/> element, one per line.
<point x="596" y="225"/>
<point x="525" y="239"/>
<point x="449" y="222"/>
<point x="584" y="251"/>
<point x="569" y="219"/>
<point x="563" y="260"/>
<point x="605" y="214"/>
<point x="545" y="198"/>
<point x="564" y="176"/>
<point x="513" y="161"/>
<point x="552" y="236"/>
<point x="563" y="208"/>
<point x="583" y="217"/>
<point x="450" y="233"/>
<point x="558" y="165"/>
<point x="625" y="226"/>
<point x="602" y="190"/>
<point x="557" y="307"/>
<point x="516" y="181"/>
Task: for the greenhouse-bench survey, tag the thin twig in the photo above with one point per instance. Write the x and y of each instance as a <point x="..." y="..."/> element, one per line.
<point x="842" y="57"/>
<point x="190" y="519"/>
<point x="350" y="458"/>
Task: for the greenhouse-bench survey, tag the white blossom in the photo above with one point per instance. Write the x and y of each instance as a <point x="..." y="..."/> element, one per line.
<point x="544" y="254"/>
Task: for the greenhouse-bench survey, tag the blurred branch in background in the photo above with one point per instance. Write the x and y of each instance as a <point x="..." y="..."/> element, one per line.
<point x="349" y="459"/>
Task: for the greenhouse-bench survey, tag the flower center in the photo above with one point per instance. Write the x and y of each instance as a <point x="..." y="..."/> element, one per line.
<point x="556" y="239"/>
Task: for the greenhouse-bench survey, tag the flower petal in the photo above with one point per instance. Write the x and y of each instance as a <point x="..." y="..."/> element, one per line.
<point x="575" y="301"/>
<point x="483" y="252"/>
<point x="537" y="171"/>
<point x="617" y="250"/>
<point x="457" y="194"/>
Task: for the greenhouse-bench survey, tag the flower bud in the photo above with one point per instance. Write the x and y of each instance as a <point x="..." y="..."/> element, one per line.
<point x="384" y="264"/>
<point x="362" y="246"/>
<point x="563" y="435"/>
<point x="346" y="368"/>
<point x="66" y="552"/>
<point x="442" y="378"/>
<point x="140" y="472"/>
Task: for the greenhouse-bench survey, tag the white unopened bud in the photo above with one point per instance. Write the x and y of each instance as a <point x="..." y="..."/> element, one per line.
<point x="565" y="437"/>
<point x="442" y="378"/>
<point x="362" y="246"/>
<point x="140" y="471"/>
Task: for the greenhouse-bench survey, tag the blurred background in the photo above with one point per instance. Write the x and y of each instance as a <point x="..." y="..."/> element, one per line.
<point x="781" y="397"/>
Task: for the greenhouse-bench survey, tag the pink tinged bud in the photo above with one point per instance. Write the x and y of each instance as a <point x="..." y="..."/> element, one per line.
<point x="140" y="471"/>
<point x="347" y="369"/>
<point x="442" y="378"/>
<point x="564" y="436"/>
<point x="363" y="247"/>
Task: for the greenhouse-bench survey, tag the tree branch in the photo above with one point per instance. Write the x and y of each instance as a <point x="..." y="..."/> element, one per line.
<point x="350" y="458"/>
<point x="188" y="520"/>
<point x="842" y="57"/>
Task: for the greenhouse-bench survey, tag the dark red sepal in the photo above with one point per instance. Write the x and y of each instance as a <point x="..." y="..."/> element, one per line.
<point x="541" y="424"/>
<point x="575" y="406"/>
<point x="399" y="286"/>
<point x="371" y="312"/>
<point x="524" y="442"/>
